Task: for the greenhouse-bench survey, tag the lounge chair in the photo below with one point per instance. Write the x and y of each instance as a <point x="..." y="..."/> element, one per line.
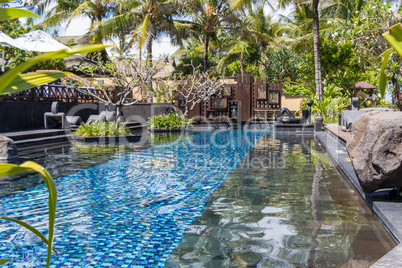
<point x="54" y="116"/>
<point x="108" y="115"/>
<point x="57" y="118"/>
<point x="306" y="115"/>
<point x="346" y="118"/>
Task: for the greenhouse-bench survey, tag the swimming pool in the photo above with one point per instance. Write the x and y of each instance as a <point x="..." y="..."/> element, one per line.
<point x="226" y="198"/>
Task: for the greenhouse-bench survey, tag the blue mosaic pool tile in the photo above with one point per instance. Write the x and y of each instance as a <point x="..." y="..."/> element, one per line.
<point x="127" y="212"/>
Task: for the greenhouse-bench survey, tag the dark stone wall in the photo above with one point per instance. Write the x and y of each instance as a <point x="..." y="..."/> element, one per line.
<point x="141" y="112"/>
<point x="23" y="115"/>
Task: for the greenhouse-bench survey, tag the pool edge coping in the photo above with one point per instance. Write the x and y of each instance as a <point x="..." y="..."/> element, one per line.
<point x="335" y="149"/>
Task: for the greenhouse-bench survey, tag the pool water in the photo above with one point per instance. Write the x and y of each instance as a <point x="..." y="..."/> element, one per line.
<point x="215" y="199"/>
<point x="284" y="206"/>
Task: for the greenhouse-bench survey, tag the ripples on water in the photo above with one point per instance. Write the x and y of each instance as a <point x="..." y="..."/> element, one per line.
<point x="131" y="210"/>
<point x="281" y="206"/>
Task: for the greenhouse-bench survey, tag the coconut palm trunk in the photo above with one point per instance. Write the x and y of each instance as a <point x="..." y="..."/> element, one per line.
<point x="149" y="52"/>
<point x="149" y="65"/>
<point x="242" y="63"/>
<point x="317" y="54"/>
<point x="99" y="39"/>
<point x="206" y="52"/>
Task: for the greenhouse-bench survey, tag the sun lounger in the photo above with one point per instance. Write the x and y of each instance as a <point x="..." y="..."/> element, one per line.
<point x="56" y="118"/>
<point x="108" y="115"/>
<point x="306" y="115"/>
<point x="347" y="117"/>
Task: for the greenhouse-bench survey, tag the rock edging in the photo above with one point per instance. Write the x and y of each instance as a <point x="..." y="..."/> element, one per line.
<point x="375" y="149"/>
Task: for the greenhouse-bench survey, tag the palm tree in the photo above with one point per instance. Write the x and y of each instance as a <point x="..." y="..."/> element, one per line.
<point x="317" y="51"/>
<point x="67" y="10"/>
<point x="316" y="38"/>
<point x="343" y="9"/>
<point x="248" y="40"/>
<point x="208" y="16"/>
<point x="260" y="32"/>
<point x="241" y="49"/>
<point x="142" y="21"/>
<point x="121" y="48"/>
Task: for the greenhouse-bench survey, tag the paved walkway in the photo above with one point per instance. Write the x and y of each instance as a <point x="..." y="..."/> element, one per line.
<point x="388" y="211"/>
<point x="336" y="129"/>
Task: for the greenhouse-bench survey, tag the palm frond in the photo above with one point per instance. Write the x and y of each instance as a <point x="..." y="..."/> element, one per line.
<point x="142" y="33"/>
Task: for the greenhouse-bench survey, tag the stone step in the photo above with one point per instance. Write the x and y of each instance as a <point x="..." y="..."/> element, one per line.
<point x="39" y="148"/>
<point x="33" y="134"/>
<point x="41" y="140"/>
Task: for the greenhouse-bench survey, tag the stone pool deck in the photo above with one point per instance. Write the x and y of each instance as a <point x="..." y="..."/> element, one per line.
<point x="388" y="211"/>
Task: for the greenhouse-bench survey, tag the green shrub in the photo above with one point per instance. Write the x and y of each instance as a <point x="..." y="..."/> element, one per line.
<point x="331" y="119"/>
<point x="169" y="121"/>
<point x="387" y="104"/>
<point x="101" y="129"/>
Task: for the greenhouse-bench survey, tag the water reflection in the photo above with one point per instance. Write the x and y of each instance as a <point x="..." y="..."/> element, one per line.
<point x="284" y="206"/>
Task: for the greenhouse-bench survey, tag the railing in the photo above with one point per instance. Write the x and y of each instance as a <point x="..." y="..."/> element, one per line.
<point x="59" y="93"/>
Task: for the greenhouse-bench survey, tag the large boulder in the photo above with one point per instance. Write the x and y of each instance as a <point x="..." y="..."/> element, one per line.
<point x="8" y="149"/>
<point x="375" y="149"/>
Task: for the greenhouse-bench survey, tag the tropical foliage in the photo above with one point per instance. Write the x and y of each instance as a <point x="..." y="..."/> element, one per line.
<point x="169" y="121"/>
<point x="318" y="45"/>
<point x="105" y="129"/>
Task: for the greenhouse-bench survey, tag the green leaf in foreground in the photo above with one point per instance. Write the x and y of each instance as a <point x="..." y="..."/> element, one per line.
<point x="9" y="169"/>
<point x="7" y="78"/>
<point x="30" y="228"/>
<point x="27" y="81"/>
<point x="383" y="77"/>
<point x="15" y="13"/>
<point x="394" y="37"/>
<point x="4" y="261"/>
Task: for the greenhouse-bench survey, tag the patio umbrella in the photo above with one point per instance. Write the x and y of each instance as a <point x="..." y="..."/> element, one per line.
<point x="40" y="41"/>
<point x="6" y="41"/>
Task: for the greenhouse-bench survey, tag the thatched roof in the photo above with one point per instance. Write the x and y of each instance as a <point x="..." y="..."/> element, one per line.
<point x="78" y="39"/>
<point x="163" y="70"/>
<point x="77" y="60"/>
<point x="363" y="85"/>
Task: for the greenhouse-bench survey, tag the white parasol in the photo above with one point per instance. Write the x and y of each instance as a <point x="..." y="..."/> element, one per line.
<point x="6" y="41"/>
<point x="39" y="41"/>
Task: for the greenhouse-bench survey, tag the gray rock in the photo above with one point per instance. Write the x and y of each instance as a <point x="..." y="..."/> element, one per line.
<point x="375" y="149"/>
<point x="8" y="149"/>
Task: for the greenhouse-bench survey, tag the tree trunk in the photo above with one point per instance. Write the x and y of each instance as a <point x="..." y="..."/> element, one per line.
<point x="118" y="111"/>
<point x="149" y="51"/>
<point x="397" y="91"/>
<point x="149" y="65"/>
<point x="186" y="110"/>
<point x="241" y="63"/>
<point x="206" y="52"/>
<point x="103" y="54"/>
<point x="317" y="56"/>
